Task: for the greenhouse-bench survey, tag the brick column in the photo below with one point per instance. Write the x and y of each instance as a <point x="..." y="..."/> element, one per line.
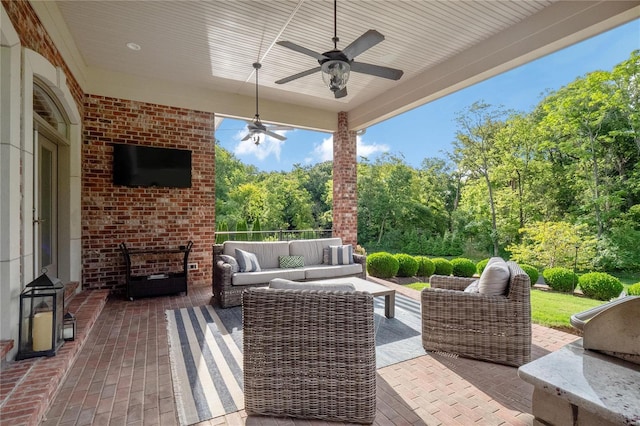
<point x="345" y="187"/>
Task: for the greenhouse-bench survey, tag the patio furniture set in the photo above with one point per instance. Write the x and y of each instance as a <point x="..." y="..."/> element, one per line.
<point x="309" y="344"/>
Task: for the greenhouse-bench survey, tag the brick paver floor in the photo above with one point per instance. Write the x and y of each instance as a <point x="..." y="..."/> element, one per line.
<point x="123" y="377"/>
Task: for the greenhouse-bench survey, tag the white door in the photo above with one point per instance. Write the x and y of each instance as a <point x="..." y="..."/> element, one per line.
<point x="45" y="206"/>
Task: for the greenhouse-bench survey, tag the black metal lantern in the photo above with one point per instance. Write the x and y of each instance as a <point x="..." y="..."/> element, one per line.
<point x="41" y="311"/>
<point x="69" y="327"/>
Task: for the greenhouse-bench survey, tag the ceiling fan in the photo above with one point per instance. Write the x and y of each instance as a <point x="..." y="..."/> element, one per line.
<point x="255" y="127"/>
<point x="336" y="64"/>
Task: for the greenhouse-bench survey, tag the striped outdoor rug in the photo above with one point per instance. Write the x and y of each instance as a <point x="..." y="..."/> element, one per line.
<point x="205" y="348"/>
<point x="206" y="364"/>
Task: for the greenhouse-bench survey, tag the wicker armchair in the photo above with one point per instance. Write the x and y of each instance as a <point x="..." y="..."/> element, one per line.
<point x="475" y="325"/>
<point x="309" y="354"/>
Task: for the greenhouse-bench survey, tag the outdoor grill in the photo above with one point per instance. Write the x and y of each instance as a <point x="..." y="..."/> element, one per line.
<point x="596" y="379"/>
<point x="612" y="329"/>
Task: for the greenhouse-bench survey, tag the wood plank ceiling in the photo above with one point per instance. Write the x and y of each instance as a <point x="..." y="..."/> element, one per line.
<point x="212" y="44"/>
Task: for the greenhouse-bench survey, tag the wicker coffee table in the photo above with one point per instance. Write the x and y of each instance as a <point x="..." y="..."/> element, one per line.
<point x="373" y="288"/>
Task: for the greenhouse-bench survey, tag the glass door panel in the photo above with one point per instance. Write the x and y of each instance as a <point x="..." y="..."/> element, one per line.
<point x="45" y="207"/>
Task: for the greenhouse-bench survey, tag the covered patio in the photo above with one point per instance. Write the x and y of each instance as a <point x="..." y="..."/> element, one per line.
<point x="79" y="77"/>
<point x="122" y="376"/>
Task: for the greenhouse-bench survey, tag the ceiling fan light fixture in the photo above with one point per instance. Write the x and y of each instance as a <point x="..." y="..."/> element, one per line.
<point x="255" y="138"/>
<point x="335" y="74"/>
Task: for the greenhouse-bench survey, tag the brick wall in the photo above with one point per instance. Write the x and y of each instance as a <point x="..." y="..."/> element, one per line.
<point x="345" y="182"/>
<point x="144" y="217"/>
<point x="33" y="36"/>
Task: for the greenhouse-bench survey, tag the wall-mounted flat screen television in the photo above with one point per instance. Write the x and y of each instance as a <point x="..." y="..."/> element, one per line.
<point x="137" y="165"/>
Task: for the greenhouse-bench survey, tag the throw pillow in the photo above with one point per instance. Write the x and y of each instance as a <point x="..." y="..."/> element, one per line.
<point x="494" y="279"/>
<point x="291" y="261"/>
<point x="473" y="287"/>
<point x="248" y="262"/>
<point x="341" y="255"/>
<point x="231" y="261"/>
<point x="325" y="255"/>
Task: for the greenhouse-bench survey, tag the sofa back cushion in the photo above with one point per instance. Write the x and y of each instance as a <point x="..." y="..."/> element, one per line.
<point x="312" y="249"/>
<point x="267" y="253"/>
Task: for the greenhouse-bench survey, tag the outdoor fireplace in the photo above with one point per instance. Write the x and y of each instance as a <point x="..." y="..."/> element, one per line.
<point x="41" y="318"/>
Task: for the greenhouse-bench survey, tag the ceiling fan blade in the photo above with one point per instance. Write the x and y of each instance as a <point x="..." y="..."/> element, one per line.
<point x="246" y="138"/>
<point x="377" y="70"/>
<point x="364" y="42"/>
<point x="340" y="93"/>
<point x="301" y="49"/>
<point x="299" y="75"/>
<point x="275" y="135"/>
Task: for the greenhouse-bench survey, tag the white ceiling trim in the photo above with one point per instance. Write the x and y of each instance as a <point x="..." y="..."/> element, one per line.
<point x="125" y="86"/>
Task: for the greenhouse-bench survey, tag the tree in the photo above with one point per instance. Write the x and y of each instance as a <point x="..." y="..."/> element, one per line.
<point x="314" y="180"/>
<point x="287" y="204"/>
<point x="552" y="244"/>
<point x="248" y="201"/>
<point x="230" y="173"/>
<point x="581" y="115"/>
<point x="475" y="151"/>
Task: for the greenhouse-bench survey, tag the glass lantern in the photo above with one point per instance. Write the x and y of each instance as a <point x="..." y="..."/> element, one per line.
<point x="69" y="327"/>
<point x="41" y="318"/>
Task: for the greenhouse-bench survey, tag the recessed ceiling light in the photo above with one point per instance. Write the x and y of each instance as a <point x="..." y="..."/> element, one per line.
<point x="133" y="46"/>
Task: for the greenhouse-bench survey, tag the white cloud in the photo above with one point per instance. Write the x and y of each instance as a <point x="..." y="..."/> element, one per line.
<point x="366" y="150"/>
<point x="324" y="150"/>
<point x="268" y="146"/>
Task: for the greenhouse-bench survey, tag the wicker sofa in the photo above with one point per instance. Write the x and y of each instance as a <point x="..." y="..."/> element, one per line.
<point x="309" y="354"/>
<point x="494" y="328"/>
<point x="229" y="285"/>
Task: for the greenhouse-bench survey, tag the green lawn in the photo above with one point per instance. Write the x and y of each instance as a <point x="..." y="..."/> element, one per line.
<point x="549" y="308"/>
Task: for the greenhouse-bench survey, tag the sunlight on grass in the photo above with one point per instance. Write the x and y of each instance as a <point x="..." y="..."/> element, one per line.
<point x="417" y="286"/>
<point x="553" y="309"/>
<point x="548" y="308"/>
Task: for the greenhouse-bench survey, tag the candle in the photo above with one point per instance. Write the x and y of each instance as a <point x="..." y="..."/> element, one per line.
<point x="42" y="329"/>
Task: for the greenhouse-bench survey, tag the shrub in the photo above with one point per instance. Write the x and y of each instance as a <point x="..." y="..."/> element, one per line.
<point x="532" y="271"/>
<point x="600" y="286"/>
<point x="463" y="267"/>
<point x="408" y="266"/>
<point x="443" y="266"/>
<point x="560" y="279"/>
<point x="634" y="289"/>
<point x="382" y="265"/>
<point x="481" y="265"/>
<point x="426" y="267"/>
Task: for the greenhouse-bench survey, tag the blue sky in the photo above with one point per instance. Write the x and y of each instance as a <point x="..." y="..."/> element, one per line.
<point x="519" y="89"/>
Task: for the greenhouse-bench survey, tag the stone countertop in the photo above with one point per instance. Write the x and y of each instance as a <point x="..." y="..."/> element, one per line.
<point x="598" y="383"/>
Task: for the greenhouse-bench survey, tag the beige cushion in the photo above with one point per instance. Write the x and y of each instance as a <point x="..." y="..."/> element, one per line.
<point x="312" y="249"/>
<point x="473" y="287"/>
<point x="281" y="284"/>
<point x="331" y="271"/>
<point x="267" y="253"/>
<point x="494" y="278"/>
<point x="264" y="276"/>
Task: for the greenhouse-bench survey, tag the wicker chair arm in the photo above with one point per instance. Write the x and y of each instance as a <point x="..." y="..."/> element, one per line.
<point x="360" y="258"/>
<point x="450" y="282"/>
